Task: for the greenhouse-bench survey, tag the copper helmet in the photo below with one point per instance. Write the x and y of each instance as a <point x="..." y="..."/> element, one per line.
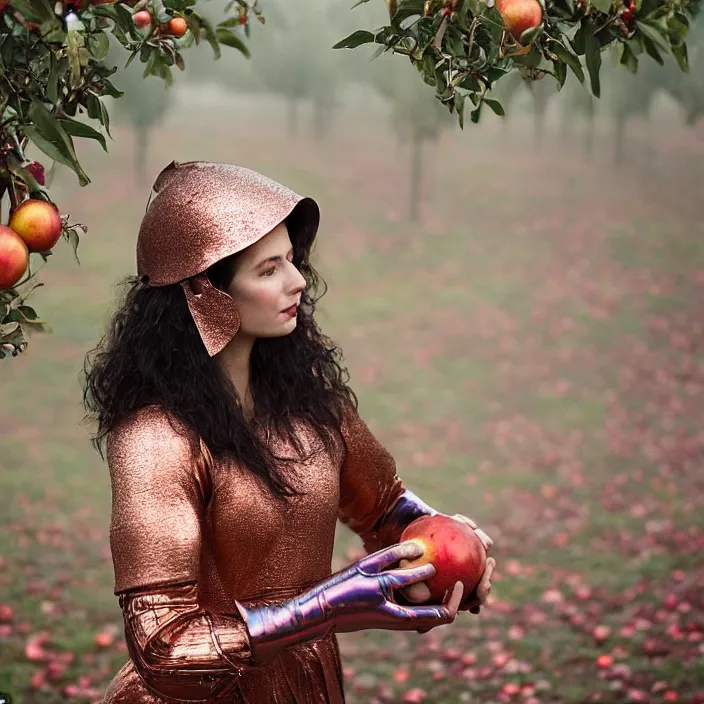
<point x="202" y="212"/>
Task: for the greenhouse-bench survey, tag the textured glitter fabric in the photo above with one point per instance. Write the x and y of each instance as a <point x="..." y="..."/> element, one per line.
<point x="214" y="313"/>
<point x="203" y="212"/>
<point x="189" y="536"/>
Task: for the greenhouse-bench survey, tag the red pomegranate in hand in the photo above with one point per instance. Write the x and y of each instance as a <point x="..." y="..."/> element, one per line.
<point x="453" y="548"/>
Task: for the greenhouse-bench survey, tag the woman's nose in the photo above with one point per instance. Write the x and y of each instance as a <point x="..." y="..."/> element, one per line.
<point x="298" y="281"/>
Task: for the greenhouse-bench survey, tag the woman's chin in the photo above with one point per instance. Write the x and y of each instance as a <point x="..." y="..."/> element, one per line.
<point x="281" y="330"/>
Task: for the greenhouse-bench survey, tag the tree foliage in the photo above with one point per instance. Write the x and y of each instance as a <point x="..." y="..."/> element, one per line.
<point x="462" y="48"/>
<point x="54" y="72"/>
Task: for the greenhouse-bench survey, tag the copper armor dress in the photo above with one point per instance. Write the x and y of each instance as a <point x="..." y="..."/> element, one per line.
<point x="189" y="535"/>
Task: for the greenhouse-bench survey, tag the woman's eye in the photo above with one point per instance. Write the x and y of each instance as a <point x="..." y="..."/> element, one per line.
<point x="272" y="270"/>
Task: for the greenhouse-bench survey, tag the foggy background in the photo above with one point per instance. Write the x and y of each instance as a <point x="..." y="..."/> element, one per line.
<point x="520" y="307"/>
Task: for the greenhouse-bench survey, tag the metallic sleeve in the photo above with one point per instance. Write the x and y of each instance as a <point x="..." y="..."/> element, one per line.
<point x="373" y="501"/>
<point x="180" y="650"/>
<point x="160" y="487"/>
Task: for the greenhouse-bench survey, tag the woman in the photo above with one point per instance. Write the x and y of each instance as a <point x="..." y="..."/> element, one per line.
<point x="234" y="446"/>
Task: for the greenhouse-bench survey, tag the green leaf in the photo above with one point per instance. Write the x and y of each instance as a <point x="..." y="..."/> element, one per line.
<point x="107" y="10"/>
<point x="355" y="39"/>
<point x="38" y="11"/>
<point x="629" y="59"/>
<point x="56" y="72"/>
<point x="93" y="106"/>
<point x="195" y="25"/>
<point x="579" y="43"/>
<point x="476" y="113"/>
<point x="105" y="117"/>
<point x="468" y="83"/>
<point x="73" y="46"/>
<point x="98" y="45"/>
<point x="652" y="50"/>
<point x="73" y="241"/>
<point x="648" y="6"/>
<point x="496" y="106"/>
<point x="602" y="5"/>
<point x="654" y="34"/>
<point x="453" y="43"/>
<point x="560" y="72"/>
<point x="124" y="17"/>
<point x="678" y="28"/>
<point x="156" y="66"/>
<point x="532" y="59"/>
<point x="569" y="58"/>
<point x="49" y="136"/>
<point x="229" y="22"/>
<point x="494" y="73"/>
<point x="28" y="312"/>
<point x="680" y="54"/>
<point x="593" y="60"/>
<point x="209" y="35"/>
<point x="80" y="129"/>
<point x="53" y="34"/>
<point x="109" y="89"/>
<point x="530" y="35"/>
<point x="459" y="107"/>
<point x="227" y="38"/>
<point x="378" y="52"/>
<point x="132" y="57"/>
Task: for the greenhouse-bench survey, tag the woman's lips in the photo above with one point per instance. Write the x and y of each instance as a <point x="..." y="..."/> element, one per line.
<point x="290" y="311"/>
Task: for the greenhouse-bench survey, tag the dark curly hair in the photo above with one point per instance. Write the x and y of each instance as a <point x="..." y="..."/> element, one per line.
<point x="152" y="354"/>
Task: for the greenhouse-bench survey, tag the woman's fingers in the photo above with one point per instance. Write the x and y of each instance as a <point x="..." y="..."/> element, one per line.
<point x="484" y="586"/>
<point x="466" y="520"/>
<point x="487" y="542"/>
<point x="417" y="593"/>
<point x="455" y="599"/>
<point x="377" y="561"/>
<point x="408" y="576"/>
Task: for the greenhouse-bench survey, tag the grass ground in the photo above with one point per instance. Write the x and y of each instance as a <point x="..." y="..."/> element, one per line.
<point x="531" y="354"/>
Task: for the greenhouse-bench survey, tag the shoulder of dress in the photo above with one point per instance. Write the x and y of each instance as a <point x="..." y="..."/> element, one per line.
<point x="150" y="447"/>
<point x="150" y="430"/>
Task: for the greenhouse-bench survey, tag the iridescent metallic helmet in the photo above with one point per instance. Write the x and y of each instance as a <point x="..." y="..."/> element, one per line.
<point x="203" y="212"/>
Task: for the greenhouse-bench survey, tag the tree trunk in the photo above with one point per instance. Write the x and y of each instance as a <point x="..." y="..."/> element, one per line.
<point x="620" y="141"/>
<point x="329" y="114"/>
<point x="292" y="117"/>
<point x="565" y="124"/>
<point x="589" y="135"/>
<point x="322" y="119"/>
<point x="539" y="125"/>
<point x="416" y="177"/>
<point x="141" y="148"/>
<point x="318" y="121"/>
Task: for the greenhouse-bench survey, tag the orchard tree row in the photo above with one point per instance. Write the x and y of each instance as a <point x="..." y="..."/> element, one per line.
<point x="54" y="76"/>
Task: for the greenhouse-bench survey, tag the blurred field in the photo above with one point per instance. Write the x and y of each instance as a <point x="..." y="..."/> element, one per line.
<point x="531" y="353"/>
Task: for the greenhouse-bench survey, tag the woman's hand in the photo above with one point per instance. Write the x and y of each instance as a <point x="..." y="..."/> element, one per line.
<point x="472" y="602"/>
<point x="477" y="598"/>
<point x="487" y="542"/>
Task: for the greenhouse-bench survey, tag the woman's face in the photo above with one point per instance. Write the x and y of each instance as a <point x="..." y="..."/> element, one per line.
<point x="267" y="286"/>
